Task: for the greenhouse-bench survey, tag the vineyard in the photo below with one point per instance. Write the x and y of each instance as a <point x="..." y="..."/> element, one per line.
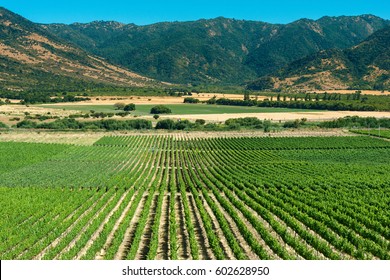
<point x="176" y="197"/>
<point x="384" y="133"/>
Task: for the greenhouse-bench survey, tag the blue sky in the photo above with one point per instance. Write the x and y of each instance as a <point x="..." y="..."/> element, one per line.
<point x="150" y="11"/>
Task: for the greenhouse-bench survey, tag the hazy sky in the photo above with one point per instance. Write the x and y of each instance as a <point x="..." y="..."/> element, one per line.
<point x="150" y="11"/>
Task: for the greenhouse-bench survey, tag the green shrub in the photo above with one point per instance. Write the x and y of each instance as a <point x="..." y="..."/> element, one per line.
<point x="129" y="107"/>
<point x="160" y="109"/>
<point x="166" y="124"/>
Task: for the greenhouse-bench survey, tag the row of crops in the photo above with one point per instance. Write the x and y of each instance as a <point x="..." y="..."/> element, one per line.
<point x="384" y="133"/>
<point x="163" y="197"/>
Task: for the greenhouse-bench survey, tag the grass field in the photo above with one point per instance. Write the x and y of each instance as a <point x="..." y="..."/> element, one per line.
<point x="164" y="197"/>
<point x="179" y="109"/>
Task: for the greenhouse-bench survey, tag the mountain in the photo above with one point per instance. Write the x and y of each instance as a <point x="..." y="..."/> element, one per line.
<point x="31" y="58"/>
<point x="218" y="50"/>
<point x="303" y="37"/>
<point x="364" y="66"/>
<point x="183" y="52"/>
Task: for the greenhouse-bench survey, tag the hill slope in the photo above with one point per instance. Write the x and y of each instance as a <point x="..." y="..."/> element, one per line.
<point x="218" y="50"/>
<point x="33" y="58"/>
<point x="364" y="66"/>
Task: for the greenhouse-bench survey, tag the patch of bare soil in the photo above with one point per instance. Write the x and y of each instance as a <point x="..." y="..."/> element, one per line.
<point x="288" y="116"/>
<point x="21" y="110"/>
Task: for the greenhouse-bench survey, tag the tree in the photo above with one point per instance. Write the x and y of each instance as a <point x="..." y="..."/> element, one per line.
<point x="165" y="124"/>
<point x="200" y="121"/>
<point x="129" y="107"/>
<point x="191" y="100"/>
<point x="119" y="106"/>
<point x="160" y="109"/>
<point x="246" y="95"/>
<point x="156" y="117"/>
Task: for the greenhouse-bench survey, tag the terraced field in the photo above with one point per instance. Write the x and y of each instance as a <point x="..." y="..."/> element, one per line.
<point x="175" y="197"/>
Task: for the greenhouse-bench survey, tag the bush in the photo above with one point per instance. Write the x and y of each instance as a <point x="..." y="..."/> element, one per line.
<point x="160" y="109"/>
<point x="244" y="122"/>
<point x="129" y="107"/>
<point x="26" y="124"/>
<point x="200" y="121"/>
<point x="3" y="125"/>
<point x="181" y="125"/>
<point x="191" y="100"/>
<point x="156" y="117"/>
<point x="122" y="114"/>
<point x="119" y="106"/>
<point x="292" y="124"/>
<point x="166" y="124"/>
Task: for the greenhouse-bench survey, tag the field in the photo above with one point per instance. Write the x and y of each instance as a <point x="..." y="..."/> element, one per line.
<point x="384" y="133"/>
<point x="177" y="109"/>
<point x="183" y="197"/>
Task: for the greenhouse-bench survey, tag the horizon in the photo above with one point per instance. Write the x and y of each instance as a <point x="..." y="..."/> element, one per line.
<point x="64" y="12"/>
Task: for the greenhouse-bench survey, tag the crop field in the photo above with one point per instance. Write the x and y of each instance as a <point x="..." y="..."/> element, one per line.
<point x="180" y="197"/>
<point x="178" y="109"/>
<point x="384" y="133"/>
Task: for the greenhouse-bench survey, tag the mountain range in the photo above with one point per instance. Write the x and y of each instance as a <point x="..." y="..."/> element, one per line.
<point x="217" y="51"/>
<point x="33" y="58"/>
<point x="364" y="66"/>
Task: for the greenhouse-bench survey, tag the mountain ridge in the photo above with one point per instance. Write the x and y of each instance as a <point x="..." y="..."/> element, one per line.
<point x="33" y="58"/>
<point x="364" y="66"/>
<point x="219" y="50"/>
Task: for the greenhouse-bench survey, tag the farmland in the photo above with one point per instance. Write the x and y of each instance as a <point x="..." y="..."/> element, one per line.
<point x="183" y="197"/>
<point x="384" y="133"/>
<point x="178" y="109"/>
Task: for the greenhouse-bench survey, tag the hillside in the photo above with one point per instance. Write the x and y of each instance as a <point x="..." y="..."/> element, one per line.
<point x="31" y="58"/>
<point x="364" y="66"/>
<point x="219" y="50"/>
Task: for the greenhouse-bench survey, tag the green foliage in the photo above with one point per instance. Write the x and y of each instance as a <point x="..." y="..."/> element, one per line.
<point x="245" y="122"/>
<point x="351" y="66"/>
<point x="191" y="100"/>
<point x="378" y="132"/>
<point x="3" y="125"/>
<point x="160" y="109"/>
<point x="129" y="107"/>
<point x="72" y="124"/>
<point x="200" y="121"/>
<point x="355" y="121"/>
<point x="369" y="103"/>
<point x="262" y="83"/>
<point x="166" y="124"/>
<point x="214" y="51"/>
<point x="297" y="194"/>
<point x="119" y="106"/>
